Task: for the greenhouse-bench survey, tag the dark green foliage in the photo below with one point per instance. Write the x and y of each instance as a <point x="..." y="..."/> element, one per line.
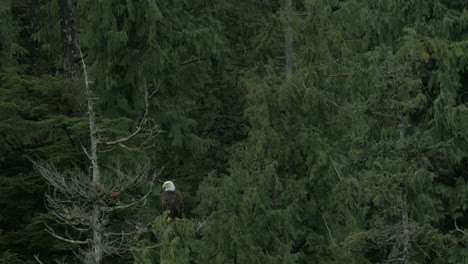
<point x="10" y="258"/>
<point x="176" y="238"/>
<point x="363" y="121"/>
<point x="177" y="49"/>
<point x="321" y="168"/>
<point x="33" y="114"/>
<point x="9" y="32"/>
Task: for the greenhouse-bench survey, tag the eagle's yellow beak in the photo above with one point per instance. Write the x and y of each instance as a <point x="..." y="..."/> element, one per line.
<point x="164" y="185"/>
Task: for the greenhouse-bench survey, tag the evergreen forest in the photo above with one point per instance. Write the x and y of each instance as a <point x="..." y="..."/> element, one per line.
<point x="296" y="131"/>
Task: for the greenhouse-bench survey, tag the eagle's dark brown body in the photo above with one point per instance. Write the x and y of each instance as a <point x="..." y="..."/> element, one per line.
<point x="172" y="201"/>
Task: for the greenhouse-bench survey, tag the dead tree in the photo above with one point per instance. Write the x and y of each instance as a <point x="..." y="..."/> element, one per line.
<point x="82" y="200"/>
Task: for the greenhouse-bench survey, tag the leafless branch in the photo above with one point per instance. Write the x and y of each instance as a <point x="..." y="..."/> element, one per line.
<point x="138" y="201"/>
<point x="36" y="257"/>
<point x="68" y="240"/>
<point x="124" y="206"/>
<point x="72" y="218"/>
<point x="202" y="223"/>
<point x="422" y="250"/>
<point x="334" y="167"/>
<point x="144" y="120"/>
<point x="125" y="181"/>
<point x="86" y="152"/>
<point x="329" y="231"/>
<point x="129" y="148"/>
<point x="122" y="140"/>
<point x="334" y="103"/>
<point x="68" y="183"/>
<point x="107" y="150"/>
<point x="62" y="261"/>
<point x="153" y="246"/>
<point x="458" y="229"/>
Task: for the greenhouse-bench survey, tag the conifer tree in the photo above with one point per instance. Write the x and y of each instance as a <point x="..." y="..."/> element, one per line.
<point x="407" y="142"/>
<point x="272" y="206"/>
<point x="175" y="239"/>
<point x="342" y="102"/>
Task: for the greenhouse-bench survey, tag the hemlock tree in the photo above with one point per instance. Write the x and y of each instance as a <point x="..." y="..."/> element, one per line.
<point x="283" y="201"/>
<point x="396" y="174"/>
<point x="414" y="148"/>
<point x="176" y="239"/>
<point x="405" y="138"/>
<point x="175" y="242"/>
<point x="359" y="98"/>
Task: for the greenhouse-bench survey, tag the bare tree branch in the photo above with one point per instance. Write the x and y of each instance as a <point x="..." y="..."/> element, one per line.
<point x="122" y="140"/>
<point x="36" y="257"/>
<point x="202" y="223"/>
<point x="458" y="229"/>
<point x="135" y="203"/>
<point x="86" y="152"/>
<point x="128" y="148"/>
<point x="124" y="206"/>
<point x="329" y="231"/>
<point x="139" y="127"/>
<point x="107" y="150"/>
<point x="334" y="167"/>
<point x="69" y="240"/>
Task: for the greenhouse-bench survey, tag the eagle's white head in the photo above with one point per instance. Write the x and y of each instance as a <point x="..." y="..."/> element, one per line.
<point x="169" y="186"/>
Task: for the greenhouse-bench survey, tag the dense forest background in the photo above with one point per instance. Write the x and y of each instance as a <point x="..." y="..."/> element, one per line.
<point x="312" y="131"/>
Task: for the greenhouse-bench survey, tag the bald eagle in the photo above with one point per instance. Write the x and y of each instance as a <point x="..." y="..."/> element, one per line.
<point x="172" y="201"/>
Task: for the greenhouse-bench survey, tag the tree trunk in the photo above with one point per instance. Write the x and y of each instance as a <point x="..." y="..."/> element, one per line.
<point x="35" y="27"/>
<point x="97" y="236"/>
<point x="96" y="224"/>
<point x="70" y="47"/>
<point x="406" y="231"/>
<point x="289" y="48"/>
<point x="94" y="143"/>
<point x="404" y="211"/>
